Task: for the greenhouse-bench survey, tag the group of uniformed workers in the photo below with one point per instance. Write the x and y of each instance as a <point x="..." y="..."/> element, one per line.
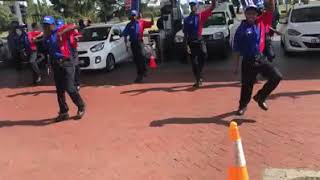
<point x="251" y="42"/>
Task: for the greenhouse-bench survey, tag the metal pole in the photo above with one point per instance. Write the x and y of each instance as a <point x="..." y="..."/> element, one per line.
<point x="286" y="1"/>
<point x="18" y="12"/>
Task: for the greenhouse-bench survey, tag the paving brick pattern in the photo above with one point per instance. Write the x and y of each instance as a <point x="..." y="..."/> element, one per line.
<point x="160" y="130"/>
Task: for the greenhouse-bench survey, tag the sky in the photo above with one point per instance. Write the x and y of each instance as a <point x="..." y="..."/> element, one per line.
<point x="48" y="1"/>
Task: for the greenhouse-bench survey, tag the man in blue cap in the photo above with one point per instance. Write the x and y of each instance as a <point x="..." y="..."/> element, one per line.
<point x="192" y="28"/>
<point x="134" y="30"/>
<point x="63" y="68"/>
<point x="59" y="22"/>
<point x="74" y="52"/>
<point x="249" y="42"/>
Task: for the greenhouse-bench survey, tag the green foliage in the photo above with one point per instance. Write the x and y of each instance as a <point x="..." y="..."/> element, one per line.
<point x="5" y="17"/>
<point x="72" y="10"/>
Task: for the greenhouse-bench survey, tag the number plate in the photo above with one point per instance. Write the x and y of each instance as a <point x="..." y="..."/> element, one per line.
<point x="315" y="40"/>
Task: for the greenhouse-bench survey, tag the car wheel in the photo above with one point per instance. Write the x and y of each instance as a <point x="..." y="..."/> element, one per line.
<point x="110" y="63"/>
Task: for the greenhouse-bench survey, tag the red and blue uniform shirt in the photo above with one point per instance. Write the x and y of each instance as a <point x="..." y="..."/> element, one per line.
<point x="59" y="46"/>
<point x="249" y="39"/>
<point x="31" y="38"/>
<point x="135" y="29"/>
<point x="193" y="24"/>
<point x="68" y="40"/>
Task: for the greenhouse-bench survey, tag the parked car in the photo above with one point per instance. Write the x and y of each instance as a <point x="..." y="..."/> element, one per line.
<point x="301" y="29"/>
<point x="5" y="55"/>
<point x="101" y="47"/>
<point x="216" y="32"/>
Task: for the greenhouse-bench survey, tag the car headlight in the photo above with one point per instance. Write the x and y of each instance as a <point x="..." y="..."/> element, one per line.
<point x="97" y="47"/>
<point x="293" y="32"/>
<point x="179" y="39"/>
<point x="218" y="35"/>
<point x="98" y="60"/>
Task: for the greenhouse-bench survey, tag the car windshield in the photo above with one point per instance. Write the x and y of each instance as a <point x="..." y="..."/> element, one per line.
<point x="310" y="14"/>
<point x="95" y="34"/>
<point x="217" y="18"/>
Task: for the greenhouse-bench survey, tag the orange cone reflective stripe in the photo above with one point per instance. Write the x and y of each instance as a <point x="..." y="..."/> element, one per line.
<point x="239" y="169"/>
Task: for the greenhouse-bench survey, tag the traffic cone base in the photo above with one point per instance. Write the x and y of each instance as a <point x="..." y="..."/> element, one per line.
<point x="152" y="64"/>
<point x="238" y="173"/>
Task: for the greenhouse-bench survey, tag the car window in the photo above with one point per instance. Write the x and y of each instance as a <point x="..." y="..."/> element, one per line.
<point x="116" y="31"/>
<point x="310" y="14"/>
<point x="122" y="27"/>
<point x="217" y="18"/>
<point x="95" y="34"/>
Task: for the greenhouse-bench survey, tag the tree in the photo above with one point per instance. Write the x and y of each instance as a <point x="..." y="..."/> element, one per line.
<point x="5" y="17"/>
<point x="74" y="8"/>
<point x="109" y="7"/>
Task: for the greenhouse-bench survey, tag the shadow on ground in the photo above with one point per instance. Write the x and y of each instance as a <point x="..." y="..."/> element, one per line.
<point x="294" y="95"/>
<point x="219" y="119"/>
<point x="41" y="122"/>
<point x="187" y="88"/>
<point x="34" y="93"/>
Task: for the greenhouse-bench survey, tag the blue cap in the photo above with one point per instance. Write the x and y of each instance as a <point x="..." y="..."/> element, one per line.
<point x="251" y="6"/>
<point x="60" y="22"/>
<point x="134" y="13"/>
<point x="48" y="20"/>
<point x="193" y="2"/>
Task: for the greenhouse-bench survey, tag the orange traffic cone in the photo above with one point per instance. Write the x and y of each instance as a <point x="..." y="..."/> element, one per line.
<point x="239" y="169"/>
<point x="152" y="64"/>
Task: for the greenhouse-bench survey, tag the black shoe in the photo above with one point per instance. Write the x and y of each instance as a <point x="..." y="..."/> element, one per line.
<point x="241" y="111"/>
<point x="262" y="104"/>
<point x="80" y="113"/>
<point x="38" y="80"/>
<point x="138" y="80"/>
<point x="62" y="117"/>
<point x="196" y="85"/>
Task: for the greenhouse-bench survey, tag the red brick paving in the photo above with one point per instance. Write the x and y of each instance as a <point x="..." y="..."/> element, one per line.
<point x="154" y="131"/>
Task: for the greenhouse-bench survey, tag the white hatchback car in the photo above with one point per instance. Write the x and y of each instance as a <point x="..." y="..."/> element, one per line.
<point x="301" y="30"/>
<point x="101" y="47"/>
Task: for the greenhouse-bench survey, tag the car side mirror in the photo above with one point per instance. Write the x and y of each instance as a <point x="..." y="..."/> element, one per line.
<point x="115" y="38"/>
<point x="283" y="21"/>
<point x="230" y="21"/>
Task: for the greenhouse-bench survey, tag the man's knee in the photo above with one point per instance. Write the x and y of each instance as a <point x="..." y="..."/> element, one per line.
<point x="70" y="88"/>
<point x="277" y="76"/>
